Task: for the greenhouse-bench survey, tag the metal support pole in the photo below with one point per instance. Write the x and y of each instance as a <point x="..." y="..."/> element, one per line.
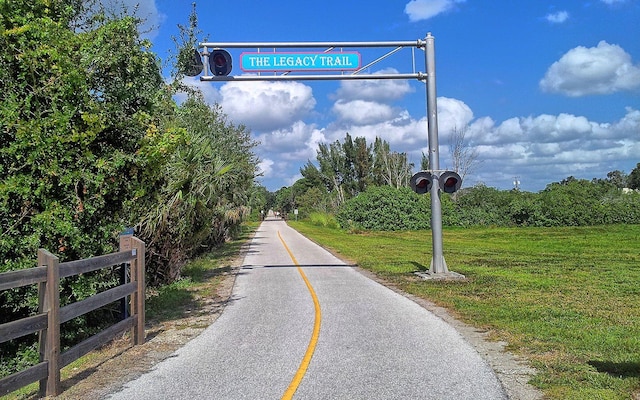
<point x="438" y="264"/>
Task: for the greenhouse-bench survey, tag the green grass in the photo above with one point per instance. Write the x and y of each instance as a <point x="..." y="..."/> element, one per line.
<point x="199" y="279"/>
<point x="568" y="299"/>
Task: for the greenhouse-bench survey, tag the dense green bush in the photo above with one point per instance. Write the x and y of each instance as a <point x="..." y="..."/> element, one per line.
<point x="386" y="208"/>
<point x="571" y="202"/>
<point x="93" y="141"/>
<point x="75" y="106"/>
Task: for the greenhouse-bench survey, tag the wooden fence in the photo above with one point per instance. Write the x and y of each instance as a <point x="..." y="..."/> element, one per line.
<point x="50" y="315"/>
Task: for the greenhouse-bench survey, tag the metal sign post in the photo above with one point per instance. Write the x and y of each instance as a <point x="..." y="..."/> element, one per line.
<point x="285" y="65"/>
<point x="438" y="264"/>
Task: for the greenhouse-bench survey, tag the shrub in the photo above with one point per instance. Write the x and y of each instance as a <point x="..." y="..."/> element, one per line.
<point x="387" y="209"/>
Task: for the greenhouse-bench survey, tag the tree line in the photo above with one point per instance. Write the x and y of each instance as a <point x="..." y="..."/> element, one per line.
<point x="344" y="170"/>
<point x="353" y="178"/>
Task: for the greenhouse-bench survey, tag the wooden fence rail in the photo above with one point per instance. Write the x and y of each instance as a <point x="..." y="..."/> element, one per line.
<point x="50" y="315"/>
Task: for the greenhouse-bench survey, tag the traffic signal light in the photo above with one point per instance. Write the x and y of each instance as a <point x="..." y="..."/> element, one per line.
<point x="449" y="181"/>
<point x="220" y="62"/>
<point x="421" y="182"/>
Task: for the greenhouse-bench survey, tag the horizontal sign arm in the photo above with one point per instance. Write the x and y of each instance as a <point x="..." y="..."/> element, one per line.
<point x="239" y="45"/>
<point x="418" y="75"/>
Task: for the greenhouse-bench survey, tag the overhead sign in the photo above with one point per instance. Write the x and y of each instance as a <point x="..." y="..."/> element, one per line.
<point x="280" y="62"/>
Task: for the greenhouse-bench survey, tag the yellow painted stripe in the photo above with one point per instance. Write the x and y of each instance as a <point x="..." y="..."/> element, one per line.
<point x="302" y="369"/>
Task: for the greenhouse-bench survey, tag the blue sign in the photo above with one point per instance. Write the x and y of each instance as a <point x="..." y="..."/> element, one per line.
<point x="274" y="62"/>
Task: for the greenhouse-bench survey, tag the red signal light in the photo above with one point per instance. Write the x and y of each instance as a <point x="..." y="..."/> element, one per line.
<point x="450" y="181"/>
<point x="421" y="182"/>
<point x="220" y="62"/>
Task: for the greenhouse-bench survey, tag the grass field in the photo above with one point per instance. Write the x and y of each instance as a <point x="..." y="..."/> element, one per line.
<point x="568" y="299"/>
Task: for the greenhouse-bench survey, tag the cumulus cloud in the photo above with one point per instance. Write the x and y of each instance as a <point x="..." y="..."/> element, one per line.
<point x="552" y="147"/>
<point x="452" y="114"/>
<point x="403" y="132"/>
<point x="295" y="143"/>
<point x="419" y="10"/>
<point x="603" y="69"/>
<point x="557" y="17"/>
<point x="362" y="112"/>
<point x="266" y="106"/>
<point x="265" y="167"/>
<point x="542" y="148"/>
<point x="382" y="90"/>
<point x="539" y="149"/>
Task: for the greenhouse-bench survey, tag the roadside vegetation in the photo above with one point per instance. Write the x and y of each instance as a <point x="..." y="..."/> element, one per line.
<point x="94" y="141"/>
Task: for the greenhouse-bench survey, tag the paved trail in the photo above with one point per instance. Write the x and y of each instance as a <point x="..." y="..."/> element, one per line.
<point x="300" y="322"/>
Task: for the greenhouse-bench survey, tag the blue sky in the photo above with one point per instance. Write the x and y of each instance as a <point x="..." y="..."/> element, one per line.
<point x="545" y="90"/>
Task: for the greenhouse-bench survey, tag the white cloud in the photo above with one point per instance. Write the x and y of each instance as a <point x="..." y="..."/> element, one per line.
<point x="547" y="148"/>
<point x="381" y="90"/>
<point x="361" y="112"/>
<point x="266" y="106"/>
<point x="561" y="128"/>
<point x="539" y="149"/>
<point x="419" y="10"/>
<point x="582" y="71"/>
<point x="452" y="114"/>
<point x="209" y="92"/>
<point x="265" y="167"/>
<point x="295" y="143"/>
<point x="612" y="2"/>
<point x="557" y="17"/>
<point x="404" y="133"/>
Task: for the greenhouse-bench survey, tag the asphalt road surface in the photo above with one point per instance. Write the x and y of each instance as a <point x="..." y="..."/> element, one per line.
<point x="301" y="324"/>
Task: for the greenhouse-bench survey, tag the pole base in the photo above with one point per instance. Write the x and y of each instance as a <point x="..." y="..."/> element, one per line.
<point x="441" y="276"/>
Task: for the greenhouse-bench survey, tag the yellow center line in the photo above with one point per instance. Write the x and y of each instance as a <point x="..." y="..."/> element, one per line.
<point x="302" y="369"/>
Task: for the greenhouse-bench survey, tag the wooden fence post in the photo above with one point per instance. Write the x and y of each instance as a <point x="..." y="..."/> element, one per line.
<point x="125" y="245"/>
<point x="138" y="300"/>
<point x="50" y="338"/>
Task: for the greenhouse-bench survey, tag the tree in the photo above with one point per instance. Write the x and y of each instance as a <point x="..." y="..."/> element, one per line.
<point x="78" y="109"/>
<point x="390" y="168"/>
<point x="463" y="157"/>
<point x="633" y="180"/>
<point x="617" y="178"/>
<point x="205" y="195"/>
<point x="332" y="160"/>
<point x="424" y="162"/>
<point x="363" y="164"/>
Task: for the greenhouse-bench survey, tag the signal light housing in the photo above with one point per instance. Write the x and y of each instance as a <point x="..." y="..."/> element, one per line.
<point x="449" y="181"/>
<point x="194" y="66"/>
<point x="421" y="182"/>
<point x="220" y="62"/>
